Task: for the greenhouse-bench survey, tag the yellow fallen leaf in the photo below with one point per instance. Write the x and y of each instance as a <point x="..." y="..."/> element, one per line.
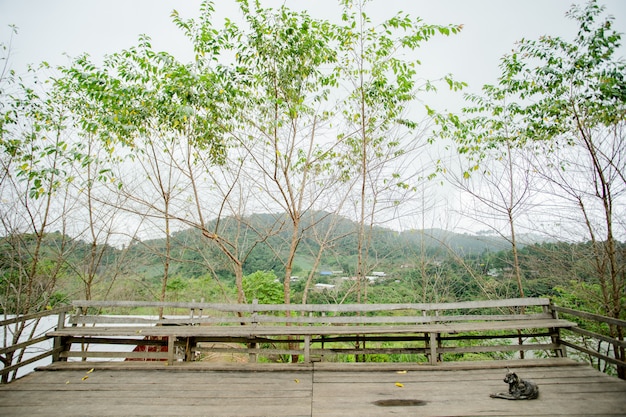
<point x="399" y="385"/>
<point x="90" y="371"/>
<point x="401" y="372"/>
<point x="297" y="381"/>
<point x="85" y="377"/>
<point x="67" y="382"/>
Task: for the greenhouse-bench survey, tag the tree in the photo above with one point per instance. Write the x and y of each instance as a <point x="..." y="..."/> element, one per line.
<point x="264" y="287"/>
<point x="227" y="191"/>
<point x="36" y="161"/>
<point x="378" y="133"/>
<point x="134" y="76"/>
<point x="164" y="115"/>
<point x="281" y="59"/>
<point x="569" y="99"/>
<point x="580" y="101"/>
<point x="500" y="196"/>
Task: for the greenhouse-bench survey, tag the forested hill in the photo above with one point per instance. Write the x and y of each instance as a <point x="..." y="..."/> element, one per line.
<point x="418" y="265"/>
<point x="260" y="240"/>
<point x="263" y="238"/>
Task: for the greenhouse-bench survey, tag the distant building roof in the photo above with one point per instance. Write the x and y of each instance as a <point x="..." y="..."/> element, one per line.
<point x="324" y="286"/>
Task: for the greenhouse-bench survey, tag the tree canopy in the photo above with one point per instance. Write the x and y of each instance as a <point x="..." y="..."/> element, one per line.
<point x="281" y="125"/>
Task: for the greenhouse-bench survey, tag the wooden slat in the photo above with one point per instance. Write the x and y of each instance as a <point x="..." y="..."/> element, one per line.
<point x="357" y="308"/>
<point x="591" y="316"/>
<point x="33" y="316"/>
<point x="498" y="348"/>
<point x="28" y="361"/>
<point x="344" y="320"/>
<point x="114" y="341"/>
<point x="22" y="345"/>
<point x="112" y="355"/>
<point x="245" y="331"/>
<point x="130" y="320"/>
<point x="594" y="335"/>
<point x="417" y="319"/>
<point x="599" y="355"/>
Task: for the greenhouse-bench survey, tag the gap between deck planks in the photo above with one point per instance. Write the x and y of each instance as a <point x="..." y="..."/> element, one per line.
<point x="322" y="389"/>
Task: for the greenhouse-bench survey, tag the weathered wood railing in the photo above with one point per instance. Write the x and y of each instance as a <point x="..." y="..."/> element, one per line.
<point x="189" y="329"/>
<point x="590" y="332"/>
<point x="20" y="335"/>
<point x="312" y="331"/>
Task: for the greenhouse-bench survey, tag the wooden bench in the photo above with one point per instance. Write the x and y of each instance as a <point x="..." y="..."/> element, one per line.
<point x="312" y="331"/>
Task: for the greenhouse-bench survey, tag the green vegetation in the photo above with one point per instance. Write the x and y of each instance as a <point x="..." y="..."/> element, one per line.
<point x="478" y="269"/>
<point x="279" y="155"/>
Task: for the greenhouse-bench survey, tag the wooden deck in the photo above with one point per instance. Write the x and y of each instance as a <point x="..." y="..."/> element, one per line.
<point x="152" y="389"/>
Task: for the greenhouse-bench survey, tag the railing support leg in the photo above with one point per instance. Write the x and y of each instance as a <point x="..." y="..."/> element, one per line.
<point x="60" y="345"/>
<point x="171" y="349"/>
<point x="190" y="348"/>
<point x="252" y="357"/>
<point x="434" y="336"/>
<point x="307" y="349"/>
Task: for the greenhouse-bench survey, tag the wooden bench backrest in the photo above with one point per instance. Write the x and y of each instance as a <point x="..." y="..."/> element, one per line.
<point x="312" y="314"/>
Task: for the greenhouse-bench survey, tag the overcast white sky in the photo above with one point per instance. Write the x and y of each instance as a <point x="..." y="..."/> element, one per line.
<point x="52" y="30"/>
<point x="48" y="29"/>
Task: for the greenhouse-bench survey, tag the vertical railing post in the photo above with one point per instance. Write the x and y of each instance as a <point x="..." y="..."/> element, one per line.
<point x="560" y="349"/>
<point x="252" y="355"/>
<point x="58" y="344"/>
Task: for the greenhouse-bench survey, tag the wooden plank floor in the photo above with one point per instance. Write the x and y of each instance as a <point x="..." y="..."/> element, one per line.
<point x="322" y="389"/>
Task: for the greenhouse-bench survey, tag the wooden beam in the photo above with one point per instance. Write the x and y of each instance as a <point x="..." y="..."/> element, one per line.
<point x="433" y="347"/>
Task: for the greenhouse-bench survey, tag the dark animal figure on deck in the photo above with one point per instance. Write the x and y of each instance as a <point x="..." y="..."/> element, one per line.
<point x="519" y="389"/>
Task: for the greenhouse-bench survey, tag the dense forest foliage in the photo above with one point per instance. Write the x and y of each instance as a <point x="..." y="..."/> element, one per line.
<point x="413" y="266"/>
<point x="295" y="160"/>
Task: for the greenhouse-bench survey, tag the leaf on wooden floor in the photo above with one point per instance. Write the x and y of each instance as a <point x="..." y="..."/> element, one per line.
<point x="399" y="385"/>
